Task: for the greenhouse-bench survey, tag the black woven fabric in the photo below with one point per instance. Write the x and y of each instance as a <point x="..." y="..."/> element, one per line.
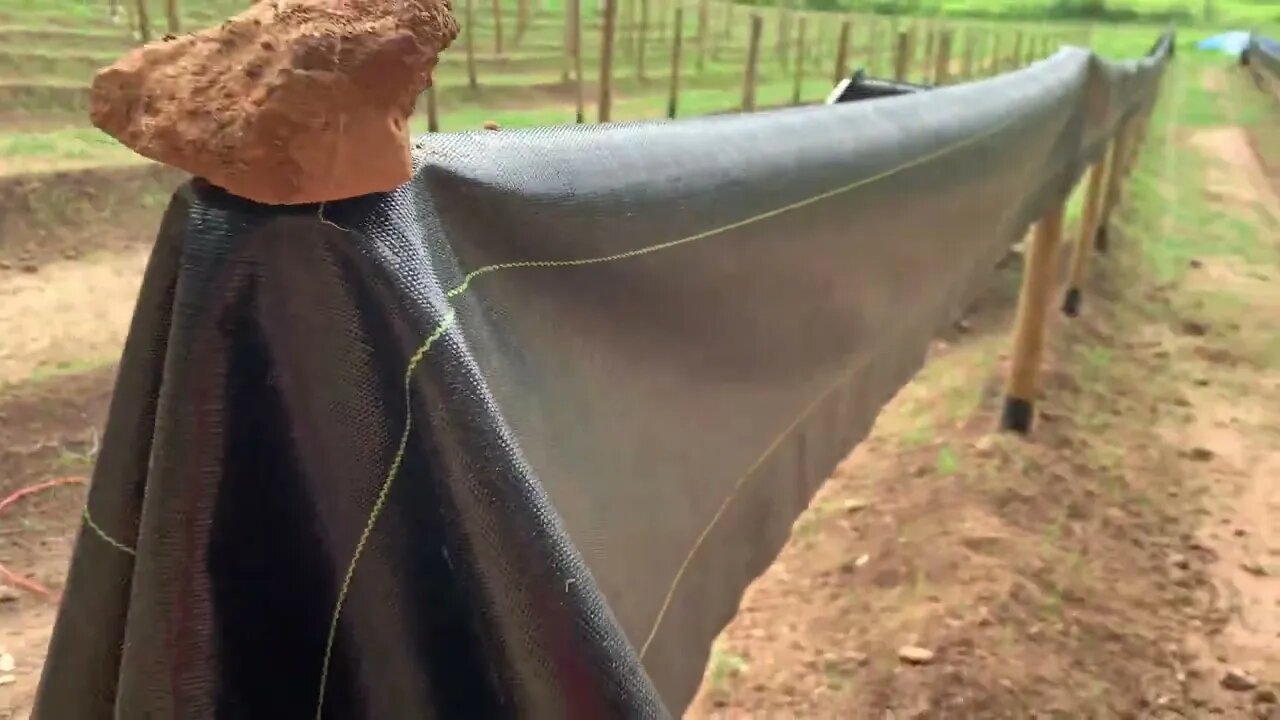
<point x="636" y="351"/>
<point x="1264" y="54"/>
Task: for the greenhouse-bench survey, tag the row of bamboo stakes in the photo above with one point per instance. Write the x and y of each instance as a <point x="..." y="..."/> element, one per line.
<point x="981" y="53"/>
<point x="1040" y="278"/>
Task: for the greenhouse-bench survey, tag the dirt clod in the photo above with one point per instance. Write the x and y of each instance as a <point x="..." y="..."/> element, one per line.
<point x="1266" y="696"/>
<point x="1194" y="329"/>
<point x="1253" y="567"/>
<point x="292" y="101"/>
<point x="1238" y="680"/>
<point x="8" y="594"/>
<point x="1200" y="454"/>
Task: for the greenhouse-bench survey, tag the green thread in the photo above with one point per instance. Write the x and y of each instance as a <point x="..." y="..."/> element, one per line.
<point x="450" y="320"/>
<point x="379" y="503"/>
<point x="105" y="537"/>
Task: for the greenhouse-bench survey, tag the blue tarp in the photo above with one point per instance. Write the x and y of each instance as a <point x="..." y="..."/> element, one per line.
<point x="1229" y="43"/>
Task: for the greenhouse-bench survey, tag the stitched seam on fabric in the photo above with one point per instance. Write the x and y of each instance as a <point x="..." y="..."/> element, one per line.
<point x="450" y="321"/>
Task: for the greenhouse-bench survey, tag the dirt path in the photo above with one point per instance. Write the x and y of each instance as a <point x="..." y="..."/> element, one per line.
<point x="1123" y="563"/>
<point x="48" y="429"/>
<point x="67" y="315"/>
<point x="1234" y="397"/>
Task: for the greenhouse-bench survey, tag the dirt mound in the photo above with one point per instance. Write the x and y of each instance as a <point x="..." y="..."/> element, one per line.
<point x="293" y="101"/>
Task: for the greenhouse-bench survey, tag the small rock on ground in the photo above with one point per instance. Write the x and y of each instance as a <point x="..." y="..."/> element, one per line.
<point x="913" y="655"/>
<point x="1238" y="680"/>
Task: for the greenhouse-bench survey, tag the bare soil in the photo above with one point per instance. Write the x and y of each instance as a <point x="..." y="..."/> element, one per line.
<point x="48" y="430"/>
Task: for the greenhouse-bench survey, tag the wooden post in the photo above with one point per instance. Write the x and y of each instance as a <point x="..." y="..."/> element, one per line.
<point x="753" y="54"/>
<point x="1029" y="332"/>
<point x="842" y="52"/>
<point x="575" y="21"/>
<point x="677" y="40"/>
<point x="605" y="107"/>
<point x="144" y="21"/>
<point x="784" y="32"/>
<point x="470" y="10"/>
<point x="497" y="27"/>
<point x="644" y="39"/>
<point x="1115" y="179"/>
<point x="1088" y="232"/>
<point x="994" y="67"/>
<point x="929" y="45"/>
<point x="872" y="49"/>
<point x="1016" y="60"/>
<point x="566" y="59"/>
<point x="799" y="84"/>
<point x="433" y="115"/>
<point x="942" y="68"/>
<point x="629" y="29"/>
<point x="970" y="51"/>
<point x="902" y="58"/>
<point x="171" y="15"/>
<point x="703" y="11"/>
<point x="522" y="21"/>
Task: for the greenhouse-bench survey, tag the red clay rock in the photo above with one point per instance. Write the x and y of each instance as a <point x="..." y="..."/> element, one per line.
<point x="292" y="101"/>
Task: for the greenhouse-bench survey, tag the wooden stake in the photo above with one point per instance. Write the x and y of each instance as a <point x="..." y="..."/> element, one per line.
<point x="629" y="44"/>
<point x="795" y="92"/>
<point x="677" y="40"/>
<point x="929" y="44"/>
<point x="575" y="33"/>
<point x="1029" y="330"/>
<point x="871" y="61"/>
<point x="942" y="68"/>
<point x="753" y="54"/>
<point x="644" y="38"/>
<point x="605" y="105"/>
<point x="566" y="59"/>
<point x="703" y="19"/>
<point x="902" y="58"/>
<point x="1016" y="61"/>
<point x="842" y="52"/>
<point x="470" y="10"/>
<point x="966" y="62"/>
<point x="497" y="27"/>
<point x="1115" y="180"/>
<point x="433" y="116"/>
<point x="784" y="32"/>
<point x="171" y="15"/>
<point x="1088" y="232"/>
<point x="994" y="66"/>
<point x="522" y="21"/>
<point x="144" y="21"/>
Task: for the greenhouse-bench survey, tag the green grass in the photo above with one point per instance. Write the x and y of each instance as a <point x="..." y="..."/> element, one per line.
<point x="1168" y="190"/>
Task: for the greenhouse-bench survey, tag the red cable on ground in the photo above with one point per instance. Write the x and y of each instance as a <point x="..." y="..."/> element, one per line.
<point x="6" y="573"/>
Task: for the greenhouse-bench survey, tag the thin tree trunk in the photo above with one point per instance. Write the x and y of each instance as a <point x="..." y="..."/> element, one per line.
<point x="171" y="13"/>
